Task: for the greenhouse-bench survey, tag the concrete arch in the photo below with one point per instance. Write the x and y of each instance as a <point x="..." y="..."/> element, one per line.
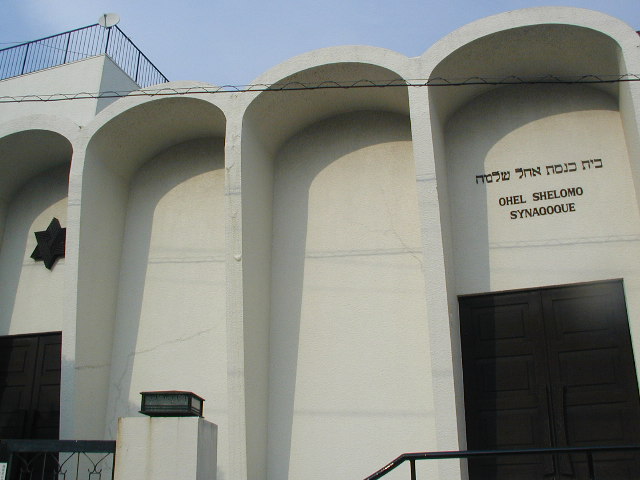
<point x="274" y="116"/>
<point x="532" y="43"/>
<point x="382" y="57"/>
<point x="148" y="125"/>
<point x="613" y="27"/>
<point x="339" y="296"/>
<point x="30" y="146"/>
<point x="40" y="142"/>
<point x="35" y="157"/>
<point x="38" y="152"/>
<point x="182" y="136"/>
<point x="61" y="125"/>
<point x="527" y="44"/>
<point x="561" y="41"/>
<point x="271" y="120"/>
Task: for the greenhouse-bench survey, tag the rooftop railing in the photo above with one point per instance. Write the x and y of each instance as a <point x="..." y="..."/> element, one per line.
<point x="76" y="45"/>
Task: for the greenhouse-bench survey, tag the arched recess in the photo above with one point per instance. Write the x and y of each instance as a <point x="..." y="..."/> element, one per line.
<point x="34" y="174"/>
<point x="151" y="279"/>
<point x="334" y="309"/>
<point x="548" y="137"/>
<point x="35" y="158"/>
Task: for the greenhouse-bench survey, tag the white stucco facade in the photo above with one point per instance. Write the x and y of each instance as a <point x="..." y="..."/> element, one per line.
<point x="296" y="257"/>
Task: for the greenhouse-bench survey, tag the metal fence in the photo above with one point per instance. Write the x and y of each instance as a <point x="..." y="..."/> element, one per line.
<point x="57" y="459"/>
<point x="75" y="45"/>
<point x="590" y="457"/>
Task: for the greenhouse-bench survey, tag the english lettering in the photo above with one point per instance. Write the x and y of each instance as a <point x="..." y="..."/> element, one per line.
<point x="558" y="208"/>
<point x="511" y="200"/>
<point x="555" y="194"/>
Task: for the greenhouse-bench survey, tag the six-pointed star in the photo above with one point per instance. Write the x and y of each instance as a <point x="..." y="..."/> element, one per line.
<point x="50" y="243"/>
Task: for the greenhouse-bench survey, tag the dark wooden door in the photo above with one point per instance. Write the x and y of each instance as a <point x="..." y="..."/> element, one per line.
<point x="30" y="386"/>
<point x="550" y="367"/>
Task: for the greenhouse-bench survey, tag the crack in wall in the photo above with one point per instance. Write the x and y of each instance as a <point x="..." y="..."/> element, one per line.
<point x="393" y="230"/>
<point x="121" y="396"/>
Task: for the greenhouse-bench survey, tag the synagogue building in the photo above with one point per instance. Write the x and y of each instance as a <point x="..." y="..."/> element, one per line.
<point x="364" y="255"/>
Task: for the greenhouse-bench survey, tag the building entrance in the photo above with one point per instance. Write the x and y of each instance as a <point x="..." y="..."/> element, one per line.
<point x="550" y="367"/>
<point x="30" y="386"/>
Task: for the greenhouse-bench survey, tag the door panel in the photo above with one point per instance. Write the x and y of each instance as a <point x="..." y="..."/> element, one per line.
<point x="46" y="389"/>
<point x="504" y="374"/>
<point x="17" y="364"/>
<point x="30" y="386"/>
<point x="578" y="388"/>
<point x="591" y="363"/>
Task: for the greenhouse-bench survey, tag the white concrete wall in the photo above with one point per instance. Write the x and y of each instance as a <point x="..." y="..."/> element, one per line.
<point x="97" y="210"/>
<point x="32" y="297"/>
<point x="144" y="128"/>
<point x="113" y="80"/>
<point x="269" y="121"/>
<point x="524" y="127"/>
<point x="166" y="449"/>
<point x="35" y="156"/>
<point x="531" y="127"/>
<point x="447" y="389"/>
<point x="349" y="341"/>
<point x="81" y="76"/>
<point x="255" y="257"/>
<point x="170" y="331"/>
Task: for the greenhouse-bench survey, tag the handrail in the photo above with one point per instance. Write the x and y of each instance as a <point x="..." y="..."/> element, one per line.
<point x="45" y="445"/>
<point x="78" y="44"/>
<point x="412" y="457"/>
<point x="47" y="38"/>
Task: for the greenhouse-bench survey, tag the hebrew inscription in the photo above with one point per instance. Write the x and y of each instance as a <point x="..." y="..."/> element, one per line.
<point x="544" y="202"/>
<point x="532" y="172"/>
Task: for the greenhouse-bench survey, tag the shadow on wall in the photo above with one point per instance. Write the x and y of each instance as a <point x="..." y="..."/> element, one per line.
<point x="347" y="223"/>
<point x="31" y="209"/>
<point x="475" y="139"/>
<point x="142" y="325"/>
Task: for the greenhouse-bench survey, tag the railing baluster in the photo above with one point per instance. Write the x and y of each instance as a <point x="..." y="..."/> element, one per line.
<point x="44" y="466"/>
<point x="413" y="469"/>
<point x="106" y="47"/>
<point x="137" y="68"/>
<point x="24" y="62"/>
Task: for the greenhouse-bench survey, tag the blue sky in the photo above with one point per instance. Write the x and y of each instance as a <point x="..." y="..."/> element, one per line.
<point x="233" y="42"/>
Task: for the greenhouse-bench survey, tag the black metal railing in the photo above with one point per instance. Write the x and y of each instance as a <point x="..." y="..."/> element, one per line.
<point x="587" y="452"/>
<point x="75" y="45"/>
<point x="58" y="459"/>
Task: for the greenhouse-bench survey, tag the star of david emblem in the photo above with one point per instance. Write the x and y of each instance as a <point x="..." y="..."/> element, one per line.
<point x="50" y="244"/>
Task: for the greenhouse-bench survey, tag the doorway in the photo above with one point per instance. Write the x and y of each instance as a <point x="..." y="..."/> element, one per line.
<point x="30" y="386"/>
<point x="551" y="367"/>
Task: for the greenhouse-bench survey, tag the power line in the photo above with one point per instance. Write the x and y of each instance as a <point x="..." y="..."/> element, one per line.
<point x="330" y="84"/>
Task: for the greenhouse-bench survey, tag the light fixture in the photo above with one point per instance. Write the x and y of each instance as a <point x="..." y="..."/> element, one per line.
<point x="171" y="403"/>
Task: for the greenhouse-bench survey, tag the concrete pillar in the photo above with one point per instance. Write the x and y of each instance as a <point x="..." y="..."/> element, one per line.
<point x="166" y="448"/>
